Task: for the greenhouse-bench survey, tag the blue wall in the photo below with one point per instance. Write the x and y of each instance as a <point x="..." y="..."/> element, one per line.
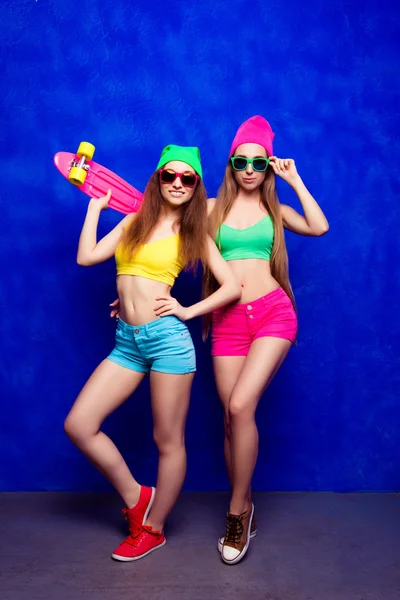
<point x="131" y="78"/>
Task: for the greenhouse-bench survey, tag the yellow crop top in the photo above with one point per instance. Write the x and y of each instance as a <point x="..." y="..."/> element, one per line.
<point x="160" y="260"/>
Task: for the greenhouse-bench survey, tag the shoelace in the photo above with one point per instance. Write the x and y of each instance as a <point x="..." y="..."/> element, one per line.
<point x="134" y="524"/>
<point x="234" y="529"/>
<point x="136" y="540"/>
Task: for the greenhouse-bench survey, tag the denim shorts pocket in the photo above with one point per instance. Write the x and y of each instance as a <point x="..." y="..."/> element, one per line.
<point x="179" y="337"/>
<point x="119" y="332"/>
<point x="177" y="328"/>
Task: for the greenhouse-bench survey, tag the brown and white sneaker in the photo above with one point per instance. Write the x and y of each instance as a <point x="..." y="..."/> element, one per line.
<point x="253" y="533"/>
<point x="237" y="536"/>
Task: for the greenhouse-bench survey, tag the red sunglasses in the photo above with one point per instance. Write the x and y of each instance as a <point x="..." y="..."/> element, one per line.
<point x="188" y="179"/>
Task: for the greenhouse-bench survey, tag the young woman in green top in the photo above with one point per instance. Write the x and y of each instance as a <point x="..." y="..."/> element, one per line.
<point x="251" y="338"/>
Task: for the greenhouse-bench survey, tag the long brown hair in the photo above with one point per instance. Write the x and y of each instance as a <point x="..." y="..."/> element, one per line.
<point x="269" y="199"/>
<point x="192" y="223"/>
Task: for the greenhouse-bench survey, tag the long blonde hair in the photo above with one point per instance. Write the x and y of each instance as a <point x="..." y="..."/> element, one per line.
<point x="269" y="199"/>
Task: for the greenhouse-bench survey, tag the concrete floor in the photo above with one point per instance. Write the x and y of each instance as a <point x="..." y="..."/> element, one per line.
<point x="56" y="546"/>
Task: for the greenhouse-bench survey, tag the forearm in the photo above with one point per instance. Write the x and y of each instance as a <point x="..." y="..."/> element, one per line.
<point x="226" y="294"/>
<point x="313" y="214"/>
<point x="88" y="237"/>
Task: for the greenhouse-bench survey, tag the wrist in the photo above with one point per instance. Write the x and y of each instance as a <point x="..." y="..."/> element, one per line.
<point x="296" y="183"/>
<point x="94" y="206"/>
<point x="189" y="313"/>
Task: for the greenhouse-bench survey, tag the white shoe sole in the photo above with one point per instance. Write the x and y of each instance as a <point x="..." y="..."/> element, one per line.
<point x="125" y="559"/>
<point x="221" y="543"/>
<point x="243" y="552"/>
<point x="146" y="514"/>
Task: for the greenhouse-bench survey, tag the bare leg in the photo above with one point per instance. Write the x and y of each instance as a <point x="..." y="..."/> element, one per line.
<point x="107" y="389"/>
<point x="227" y="370"/>
<point x="263" y="361"/>
<point x="170" y="395"/>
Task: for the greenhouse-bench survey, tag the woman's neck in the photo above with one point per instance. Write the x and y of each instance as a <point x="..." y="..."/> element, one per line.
<point x="170" y="214"/>
<point x="248" y="195"/>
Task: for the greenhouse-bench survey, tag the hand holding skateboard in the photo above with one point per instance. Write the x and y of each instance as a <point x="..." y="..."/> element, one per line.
<point x="102" y="203"/>
<point x="95" y="180"/>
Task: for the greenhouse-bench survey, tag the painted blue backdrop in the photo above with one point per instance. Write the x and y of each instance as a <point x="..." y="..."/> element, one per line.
<point x="131" y="77"/>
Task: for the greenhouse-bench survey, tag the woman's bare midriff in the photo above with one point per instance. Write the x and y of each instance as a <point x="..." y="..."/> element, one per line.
<point x="137" y="298"/>
<point x="254" y="276"/>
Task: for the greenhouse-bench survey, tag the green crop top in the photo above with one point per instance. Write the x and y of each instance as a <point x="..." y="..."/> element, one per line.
<point x="253" y="242"/>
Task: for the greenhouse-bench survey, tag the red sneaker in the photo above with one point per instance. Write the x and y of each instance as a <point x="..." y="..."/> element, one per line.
<point x="137" y="515"/>
<point x="145" y="541"/>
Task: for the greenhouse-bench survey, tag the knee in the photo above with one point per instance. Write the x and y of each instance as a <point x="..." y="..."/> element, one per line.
<point x="168" y="442"/>
<point x="76" y="430"/>
<point x="240" y="409"/>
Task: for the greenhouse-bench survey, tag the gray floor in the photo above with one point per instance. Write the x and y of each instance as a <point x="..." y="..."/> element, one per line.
<point x="309" y="547"/>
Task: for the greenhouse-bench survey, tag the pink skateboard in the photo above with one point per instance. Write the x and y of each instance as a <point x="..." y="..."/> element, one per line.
<point x="95" y="180"/>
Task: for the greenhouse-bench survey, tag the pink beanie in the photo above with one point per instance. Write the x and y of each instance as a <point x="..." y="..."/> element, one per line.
<point x="255" y="130"/>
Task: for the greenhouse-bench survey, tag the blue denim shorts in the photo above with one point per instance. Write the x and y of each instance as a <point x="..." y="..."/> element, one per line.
<point x="164" y="345"/>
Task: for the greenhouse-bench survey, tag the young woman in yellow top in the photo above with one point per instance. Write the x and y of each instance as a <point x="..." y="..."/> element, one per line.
<point x="167" y="234"/>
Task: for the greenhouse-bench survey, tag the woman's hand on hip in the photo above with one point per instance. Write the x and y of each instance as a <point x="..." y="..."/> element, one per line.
<point x="167" y="306"/>
<point x="115" y="310"/>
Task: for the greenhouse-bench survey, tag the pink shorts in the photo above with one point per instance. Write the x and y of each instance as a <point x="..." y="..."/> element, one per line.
<point x="235" y="327"/>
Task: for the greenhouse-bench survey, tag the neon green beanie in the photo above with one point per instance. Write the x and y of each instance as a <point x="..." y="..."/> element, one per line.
<point x="187" y="154"/>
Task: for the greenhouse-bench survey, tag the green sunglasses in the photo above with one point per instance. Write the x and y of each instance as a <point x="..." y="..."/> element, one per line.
<point x="240" y="163"/>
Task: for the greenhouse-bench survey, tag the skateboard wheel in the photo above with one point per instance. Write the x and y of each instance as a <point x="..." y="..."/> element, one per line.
<point x="77" y="176"/>
<point x="85" y="149"/>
